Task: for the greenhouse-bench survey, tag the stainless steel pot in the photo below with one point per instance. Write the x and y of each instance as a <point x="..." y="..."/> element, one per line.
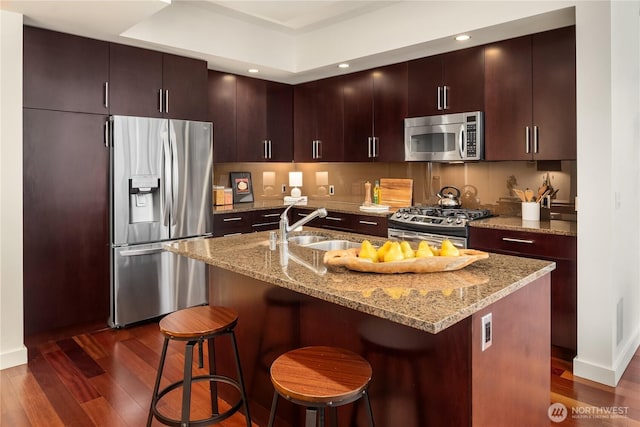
<point x="449" y="197"/>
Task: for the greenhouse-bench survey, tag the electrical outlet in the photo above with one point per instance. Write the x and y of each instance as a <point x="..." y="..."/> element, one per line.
<point x="284" y="188"/>
<point x="487" y="331"/>
<point x="332" y="190"/>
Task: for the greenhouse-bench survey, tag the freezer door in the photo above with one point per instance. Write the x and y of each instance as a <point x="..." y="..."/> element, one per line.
<point x="149" y="282"/>
<point x="139" y="204"/>
<point x="192" y="167"/>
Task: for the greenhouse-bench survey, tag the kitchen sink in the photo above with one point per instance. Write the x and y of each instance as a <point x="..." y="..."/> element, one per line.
<point x="331" y="245"/>
<point x="306" y="239"/>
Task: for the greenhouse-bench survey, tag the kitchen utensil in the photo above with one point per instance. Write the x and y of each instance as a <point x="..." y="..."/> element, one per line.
<point x="449" y="197"/>
<point x="520" y="194"/>
<point x="528" y="195"/>
<point x="541" y="192"/>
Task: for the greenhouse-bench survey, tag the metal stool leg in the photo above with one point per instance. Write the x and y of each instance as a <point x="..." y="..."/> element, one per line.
<point x="213" y="386"/>
<point x="369" y="410"/>
<point x="274" y="406"/>
<point x="154" y="396"/>
<point x="186" y="385"/>
<point x="243" y="392"/>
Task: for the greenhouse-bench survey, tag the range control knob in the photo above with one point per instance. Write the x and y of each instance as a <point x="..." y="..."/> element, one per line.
<point x="449" y="220"/>
<point x="458" y="220"/>
<point x="406" y="216"/>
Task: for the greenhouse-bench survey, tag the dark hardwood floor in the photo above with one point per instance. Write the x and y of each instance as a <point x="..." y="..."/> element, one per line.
<point x="105" y="378"/>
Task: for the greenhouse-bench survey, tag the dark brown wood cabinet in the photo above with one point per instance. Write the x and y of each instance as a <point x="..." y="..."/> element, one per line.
<point x="66" y="237"/>
<point x="375" y="105"/>
<point x="147" y="83"/>
<point x="318" y="121"/>
<point x="562" y="250"/>
<point x="64" y="72"/>
<point x="530" y="97"/>
<point x="225" y="224"/>
<point x="264" y="129"/>
<point x="221" y="98"/>
<point x="342" y="221"/>
<point x="447" y="83"/>
<point x="268" y="219"/>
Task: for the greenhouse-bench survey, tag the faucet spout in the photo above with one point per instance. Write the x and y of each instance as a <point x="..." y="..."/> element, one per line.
<point x="285" y="228"/>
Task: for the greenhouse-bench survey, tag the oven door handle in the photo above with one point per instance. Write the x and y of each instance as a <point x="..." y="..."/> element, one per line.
<point x="461" y="148"/>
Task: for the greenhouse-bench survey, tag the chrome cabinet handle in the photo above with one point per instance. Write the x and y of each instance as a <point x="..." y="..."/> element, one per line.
<point x="333" y="218"/>
<point x="318" y="149"/>
<point x="511" y="239"/>
<point x="166" y="101"/>
<point x="535" y="139"/>
<point x="367" y="222"/>
<point x="270" y="154"/>
<point x="265" y="150"/>
<point x="106" y="94"/>
<point x="106" y="133"/>
<point x="160" y="100"/>
<point x="439" y="98"/>
<point x="445" y="90"/>
<point x="376" y="144"/>
<point x="369" y="148"/>
<point x="270" y="215"/>
<point x="527" y="139"/>
<point x="235" y="218"/>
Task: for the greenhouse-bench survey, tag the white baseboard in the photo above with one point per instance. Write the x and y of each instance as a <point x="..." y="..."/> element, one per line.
<point x="13" y="358"/>
<point x="605" y="374"/>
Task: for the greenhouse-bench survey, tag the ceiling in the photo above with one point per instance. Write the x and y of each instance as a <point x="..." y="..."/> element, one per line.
<point x="294" y="41"/>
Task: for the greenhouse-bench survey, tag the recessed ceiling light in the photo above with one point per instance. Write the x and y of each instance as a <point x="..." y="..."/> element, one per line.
<point x="253" y="70"/>
<point x="343" y="65"/>
<point x="463" y="37"/>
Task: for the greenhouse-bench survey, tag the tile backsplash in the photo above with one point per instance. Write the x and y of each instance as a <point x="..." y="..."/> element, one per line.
<point x="484" y="184"/>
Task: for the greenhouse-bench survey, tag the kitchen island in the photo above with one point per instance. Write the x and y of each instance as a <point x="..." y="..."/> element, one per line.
<point x="422" y="333"/>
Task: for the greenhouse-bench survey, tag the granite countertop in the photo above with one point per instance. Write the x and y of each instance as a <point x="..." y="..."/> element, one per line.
<point x="515" y="223"/>
<point x="430" y="302"/>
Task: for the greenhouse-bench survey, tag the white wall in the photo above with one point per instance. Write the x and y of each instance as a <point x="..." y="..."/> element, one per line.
<point x="608" y="74"/>
<point x="12" y="350"/>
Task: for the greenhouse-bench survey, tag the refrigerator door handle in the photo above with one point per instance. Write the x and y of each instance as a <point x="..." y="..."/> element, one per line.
<point x="166" y="154"/>
<point x="175" y="179"/>
<point x="138" y="252"/>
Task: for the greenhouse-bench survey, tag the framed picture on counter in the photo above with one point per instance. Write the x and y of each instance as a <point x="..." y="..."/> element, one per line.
<point x="242" y="187"/>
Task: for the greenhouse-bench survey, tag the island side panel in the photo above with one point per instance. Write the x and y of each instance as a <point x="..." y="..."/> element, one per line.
<point x="511" y="378"/>
<point x="418" y="378"/>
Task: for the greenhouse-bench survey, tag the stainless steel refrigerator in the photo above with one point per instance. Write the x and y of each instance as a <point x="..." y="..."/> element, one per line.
<point x="160" y="190"/>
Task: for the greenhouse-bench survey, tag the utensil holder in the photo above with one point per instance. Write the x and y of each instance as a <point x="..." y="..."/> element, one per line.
<point x="530" y="211"/>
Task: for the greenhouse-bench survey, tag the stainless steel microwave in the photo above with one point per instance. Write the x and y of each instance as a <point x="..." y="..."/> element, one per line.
<point x="444" y="138"/>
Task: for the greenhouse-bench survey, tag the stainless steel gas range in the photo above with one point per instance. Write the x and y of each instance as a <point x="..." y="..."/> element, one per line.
<point x="433" y="224"/>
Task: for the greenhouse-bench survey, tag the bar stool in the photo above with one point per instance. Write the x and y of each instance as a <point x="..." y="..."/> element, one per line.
<point x="320" y="377"/>
<point x="196" y="325"/>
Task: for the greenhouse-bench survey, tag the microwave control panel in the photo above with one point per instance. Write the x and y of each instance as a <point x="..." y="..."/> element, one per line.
<point x="471" y="140"/>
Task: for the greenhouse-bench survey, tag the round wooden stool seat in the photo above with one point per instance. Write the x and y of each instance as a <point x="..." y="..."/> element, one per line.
<point x="318" y="377"/>
<point x="197" y="322"/>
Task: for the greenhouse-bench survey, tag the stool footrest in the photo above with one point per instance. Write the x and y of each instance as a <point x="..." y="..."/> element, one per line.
<point x="206" y="421"/>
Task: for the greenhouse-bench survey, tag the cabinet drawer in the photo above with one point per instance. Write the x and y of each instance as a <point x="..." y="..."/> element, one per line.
<point x="548" y="246"/>
<point x="231" y="223"/>
<point x="373" y="225"/>
<point x="266" y="219"/>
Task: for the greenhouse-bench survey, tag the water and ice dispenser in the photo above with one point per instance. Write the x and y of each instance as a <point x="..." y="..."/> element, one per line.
<point x="144" y="198"/>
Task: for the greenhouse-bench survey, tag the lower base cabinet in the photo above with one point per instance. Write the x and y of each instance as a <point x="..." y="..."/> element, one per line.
<point x="558" y="248"/>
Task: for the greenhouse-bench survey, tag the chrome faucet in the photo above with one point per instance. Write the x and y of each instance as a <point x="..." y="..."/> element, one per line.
<point x="285" y="228"/>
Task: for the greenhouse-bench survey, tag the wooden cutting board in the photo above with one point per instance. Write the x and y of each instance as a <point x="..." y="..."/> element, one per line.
<point x="396" y="192"/>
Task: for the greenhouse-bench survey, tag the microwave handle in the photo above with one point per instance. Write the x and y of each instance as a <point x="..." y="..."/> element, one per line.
<point x="461" y="142"/>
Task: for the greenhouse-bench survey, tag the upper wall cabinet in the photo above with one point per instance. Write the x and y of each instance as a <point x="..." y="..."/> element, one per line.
<point x="530" y="97"/>
<point x="375" y="105"/>
<point x="264" y="130"/>
<point x="222" y="113"/>
<point x="154" y="84"/>
<point x="447" y="83"/>
<point x="318" y="121"/>
<point x="65" y="72"/>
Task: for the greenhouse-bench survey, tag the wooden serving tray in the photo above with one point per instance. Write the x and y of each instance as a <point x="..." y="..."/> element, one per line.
<point x="349" y="258"/>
